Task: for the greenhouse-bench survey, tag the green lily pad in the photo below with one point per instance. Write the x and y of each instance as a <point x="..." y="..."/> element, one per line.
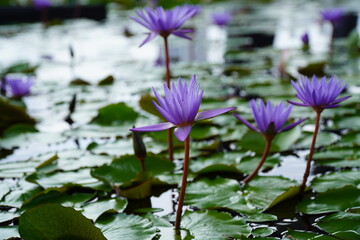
<point x="125" y="227"/>
<point x="254" y="141"/>
<point x="301" y="235"/>
<point x="336" y="180"/>
<point x="125" y="169"/>
<point x="226" y="162"/>
<point x="267" y="191"/>
<point x="338" y="158"/>
<point x="62" y="196"/>
<point x="323" y="139"/>
<point x="95" y="209"/>
<point x="115" y="114"/>
<point x="342" y="221"/>
<point x="41" y="223"/>
<point x="213" y="225"/>
<point x="331" y="201"/>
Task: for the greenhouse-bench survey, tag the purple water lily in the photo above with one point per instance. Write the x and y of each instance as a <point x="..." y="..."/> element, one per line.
<point x="332" y="14"/>
<point x="305" y="38"/>
<point x="269" y="119"/>
<point x="165" y="22"/>
<point x="19" y="86"/>
<point x="42" y="4"/>
<point x="319" y="93"/>
<point x="221" y="19"/>
<point x="180" y="108"/>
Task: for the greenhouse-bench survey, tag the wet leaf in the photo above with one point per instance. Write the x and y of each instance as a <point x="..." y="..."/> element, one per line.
<point x="115" y="114"/>
<point x="124" y="227"/>
<point x="41" y="223"/>
<point x="331" y="201"/>
<point x="336" y="180"/>
<point x="213" y="225"/>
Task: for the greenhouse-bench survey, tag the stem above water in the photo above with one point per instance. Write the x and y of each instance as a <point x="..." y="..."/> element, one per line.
<point x="263" y="158"/>
<point x="312" y="149"/>
<point x="183" y="182"/>
<point x="167" y="78"/>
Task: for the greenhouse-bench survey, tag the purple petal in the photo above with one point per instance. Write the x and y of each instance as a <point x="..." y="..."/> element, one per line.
<point x="249" y="125"/>
<point x="340" y="99"/>
<point x="290" y="126"/>
<point x="298" y="104"/>
<point x="150" y="37"/>
<point x="153" y="128"/>
<point x="212" y="113"/>
<point x="182" y="132"/>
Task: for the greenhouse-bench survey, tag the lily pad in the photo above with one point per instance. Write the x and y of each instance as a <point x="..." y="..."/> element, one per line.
<point x="213" y="225"/>
<point x="342" y="221"/>
<point x="115" y="114"/>
<point x="336" y="180"/>
<point x="125" y="227"/>
<point x="41" y="223"/>
<point x="331" y="201"/>
<point x="95" y="209"/>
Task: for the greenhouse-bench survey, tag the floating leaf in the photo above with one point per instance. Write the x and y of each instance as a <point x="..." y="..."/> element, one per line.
<point x="95" y="209"/>
<point x="213" y="225"/>
<point x="12" y="114"/>
<point x="341" y="221"/>
<point x="115" y="114"/>
<point x="53" y="221"/>
<point x="331" y="201"/>
<point x="336" y="180"/>
<point x="125" y="227"/>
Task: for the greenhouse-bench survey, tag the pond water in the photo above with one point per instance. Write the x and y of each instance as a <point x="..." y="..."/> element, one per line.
<point x="80" y="164"/>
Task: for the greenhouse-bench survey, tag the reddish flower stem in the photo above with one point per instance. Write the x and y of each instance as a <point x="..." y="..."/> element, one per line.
<point x="183" y="183"/>
<point x="312" y="148"/>
<point x="263" y="158"/>
<point x="167" y="62"/>
<point x="167" y="78"/>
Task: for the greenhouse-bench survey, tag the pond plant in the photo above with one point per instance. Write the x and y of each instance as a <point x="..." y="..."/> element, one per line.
<point x="221" y="19"/>
<point x="319" y="94"/>
<point x="164" y="23"/>
<point x="270" y="121"/>
<point x="180" y="106"/>
<point x="71" y="169"/>
<point x="18" y="86"/>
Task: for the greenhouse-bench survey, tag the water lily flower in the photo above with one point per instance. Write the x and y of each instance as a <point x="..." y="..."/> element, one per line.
<point x="221" y="19"/>
<point x="332" y="14"/>
<point x="305" y="38"/>
<point x="318" y="93"/>
<point x="165" y="22"/>
<point x="42" y="4"/>
<point x="180" y="107"/>
<point x="19" y="86"/>
<point x="270" y="121"/>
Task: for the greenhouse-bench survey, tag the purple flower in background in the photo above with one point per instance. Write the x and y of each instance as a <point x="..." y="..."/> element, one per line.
<point x="221" y="19"/>
<point x="19" y="86"/>
<point x="180" y="108"/>
<point x="305" y="38"/>
<point x="332" y="14"/>
<point x="319" y="93"/>
<point x="165" y="22"/>
<point x="269" y="119"/>
<point x="42" y="4"/>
